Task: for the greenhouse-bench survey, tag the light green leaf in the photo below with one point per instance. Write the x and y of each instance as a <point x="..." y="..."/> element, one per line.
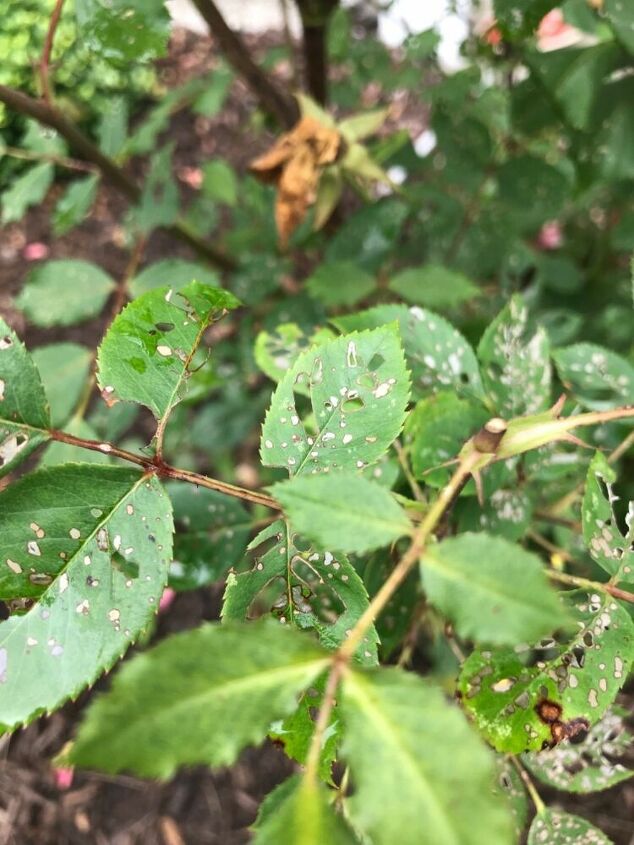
<point x="75" y="204"/>
<point x="597" y="377"/>
<point x="212" y="532"/>
<point x="25" y="191"/>
<point x="438" y="355"/>
<point x="343" y="512"/>
<point x="159" y="203"/>
<point x="555" y="827"/>
<point x="338" y="283"/>
<point x="124" y="30"/>
<point x="303" y="586"/>
<point x="113" y="126"/>
<point x="433" y="286"/>
<point x="621" y="17"/>
<point x="359" y="389"/>
<point x="64" y="292"/>
<point x="582" y="677"/>
<point x="593" y="765"/>
<point x="64" y="368"/>
<point x="171" y="706"/>
<point x="93" y="545"/>
<point x="304" y="817"/>
<point x="491" y="589"/>
<point x="515" y="363"/>
<point x="147" y="352"/>
<point x="24" y="413"/>
<point x="411" y="754"/>
<point x="329" y="192"/>
<point x="275" y="352"/>
<point x="219" y="182"/>
<point x="611" y="549"/>
<point x="212" y="99"/>
<point x="357" y="127"/>
<point x="174" y="272"/>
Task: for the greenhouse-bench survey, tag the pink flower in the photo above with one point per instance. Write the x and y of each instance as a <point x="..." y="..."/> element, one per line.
<point x="554" y="33"/>
<point x="550" y="235"/>
<point x="166" y="599"/>
<point x="35" y="251"/>
<point x="64" y="777"/>
<point x="192" y="176"/>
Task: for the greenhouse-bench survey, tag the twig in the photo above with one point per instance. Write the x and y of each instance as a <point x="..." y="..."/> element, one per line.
<point x="407" y="472"/>
<point x="47" y="92"/>
<point x="586" y="584"/>
<point x="51" y="158"/>
<point x="115" y="175"/>
<point x="529" y="785"/>
<point x="273" y="98"/>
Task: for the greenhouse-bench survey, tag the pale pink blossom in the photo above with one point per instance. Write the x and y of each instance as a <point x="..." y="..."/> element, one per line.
<point x="64" y="777"/>
<point x="192" y="176"/>
<point x="554" y="33"/>
<point x="550" y="235"/>
<point x="166" y="599"/>
<point x="35" y="251"/>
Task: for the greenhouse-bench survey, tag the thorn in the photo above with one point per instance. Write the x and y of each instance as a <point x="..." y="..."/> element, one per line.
<point x="441" y="466"/>
<point x="576" y="441"/>
<point x="558" y="407"/>
<point x="478" y="485"/>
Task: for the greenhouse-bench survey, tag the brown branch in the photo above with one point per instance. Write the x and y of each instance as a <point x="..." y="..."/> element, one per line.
<point x="45" y="61"/>
<point x="157" y="467"/>
<point x="272" y="97"/>
<point x="49" y="158"/>
<point x="115" y="175"/>
<point x="315" y="15"/>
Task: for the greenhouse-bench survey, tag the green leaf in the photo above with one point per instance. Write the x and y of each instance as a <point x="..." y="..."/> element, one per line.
<point x="63" y="368"/>
<point x="597" y="377"/>
<point x="411" y="753"/>
<point x="555" y="827"/>
<point x="113" y="126"/>
<point x="519" y="18"/>
<point x="64" y="292"/>
<point x="582" y="677"/>
<point x="593" y="765"/>
<point x="515" y="362"/>
<point x="24" y="413"/>
<point x="302" y="585"/>
<point x="359" y="389"/>
<point x="172" y="705"/>
<point x="219" y="182"/>
<point x="159" y="203"/>
<point x="532" y="191"/>
<point x="329" y="192"/>
<point x="438" y="355"/>
<point x="93" y="545"/>
<point x="174" y="272"/>
<point x="510" y="785"/>
<point x="611" y="549"/>
<point x="437" y="429"/>
<point x="343" y="512"/>
<point x="275" y="352"/>
<point x="621" y="17"/>
<point x="212" y="532"/>
<point x="338" y="283"/>
<point x="357" y="127"/>
<point x="211" y="101"/>
<point x="505" y="512"/>
<point x="492" y="590"/>
<point x="75" y="204"/>
<point x="147" y="352"/>
<point x="25" y="191"/>
<point x="433" y="286"/>
<point x="124" y="30"/>
<point x="304" y="817"/>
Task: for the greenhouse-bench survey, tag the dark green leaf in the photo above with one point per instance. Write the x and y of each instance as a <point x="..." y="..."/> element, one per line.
<point x="159" y="203"/>
<point x="597" y="377"/>
<point x="124" y="30"/>
<point x="338" y="283"/>
<point x="64" y="368"/>
<point x="555" y="827"/>
<point x="75" y="204"/>
<point x="621" y="16"/>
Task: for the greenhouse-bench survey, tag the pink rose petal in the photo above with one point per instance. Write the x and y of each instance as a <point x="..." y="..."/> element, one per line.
<point x="64" y="777"/>
<point x="35" y="251"/>
<point x="550" y="235"/>
<point x="166" y="599"/>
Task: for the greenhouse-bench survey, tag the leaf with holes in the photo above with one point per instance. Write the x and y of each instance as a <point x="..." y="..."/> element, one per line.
<point x="612" y="550"/>
<point x="515" y="362"/>
<point x="555" y="827"/>
<point x="64" y="292"/>
<point x="491" y="589"/>
<point x="343" y="512"/>
<point x="597" y="377"/>
<point x="409" y="751"/>
<point x="170" y="706"/>
<point x="505" y="512"/>
<point x="148" y="351"/>
<point x="520" y="704"/>
<point x="303" y="586"/>
<point x="438" y="355"/>
<point x="591" y="766"/>
<point x="276" y="352"/>
<point x="359" y="389"/>
<point x="212" y="532"/>
<point x="92" y="545"/>
<point x="24" y="412"/>
<point x="63" y="368"/>
<point x="509" y="784"/>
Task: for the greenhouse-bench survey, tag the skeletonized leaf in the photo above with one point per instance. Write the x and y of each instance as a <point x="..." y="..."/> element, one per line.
<point x="344" y="512"/>
<point x="212" y="532"/>
<point x="147" y="353"/>
<point x="515" y="365"/>
<point x="555" y="827"/>
<point x="198" y="697"/>
<point x="276" y="352"/>
<point x="358" y="387"/>
<point x="491" y="589"/>
<point x="590" y="766"/>
<point x="438" y="355"/>
<point x="301" y="585"/>
<point x="92" y="544"/>
<point x="411" y="754"/>
<point x="597" y="377"/>
<point x="611" y="549"/>
<point x="506" y="692"/>
<point x="24" y="413"/>
<point x="64" y="292"/>
<point x="63" y="368"/>
<point x="303" y="816"/>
